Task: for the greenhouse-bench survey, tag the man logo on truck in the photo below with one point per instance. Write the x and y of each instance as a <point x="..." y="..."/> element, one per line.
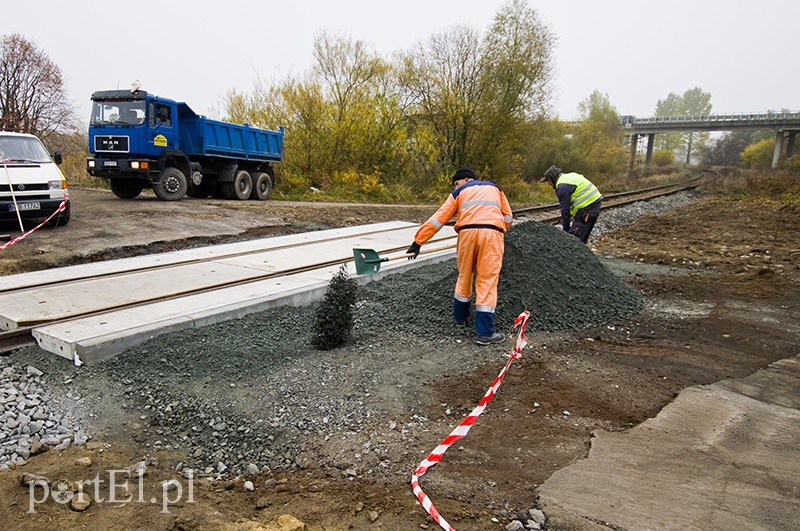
<point x="175" y="151"/>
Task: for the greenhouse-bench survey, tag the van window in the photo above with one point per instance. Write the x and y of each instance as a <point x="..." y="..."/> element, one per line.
<point x="22" y="149"/>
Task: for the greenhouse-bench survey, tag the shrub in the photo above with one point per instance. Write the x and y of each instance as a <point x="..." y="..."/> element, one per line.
<point x="663" y="157"/>
<point x="334" y="316"/>
<point x="759" y="155"/>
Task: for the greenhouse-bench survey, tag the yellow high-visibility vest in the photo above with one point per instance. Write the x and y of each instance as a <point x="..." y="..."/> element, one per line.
<point x="585" y="192"/>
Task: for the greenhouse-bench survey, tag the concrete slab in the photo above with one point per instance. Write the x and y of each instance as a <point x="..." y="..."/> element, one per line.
<point x="100" y="337"/>
<point x="229" y="263"/>
<point x="64" y="274"/>
<point x="721" y="456"/>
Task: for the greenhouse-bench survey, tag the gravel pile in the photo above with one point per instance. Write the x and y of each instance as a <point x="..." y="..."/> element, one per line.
<point x="252" y="395"/>
<point x="545" y="270"/>
<point x="31" y="422"/>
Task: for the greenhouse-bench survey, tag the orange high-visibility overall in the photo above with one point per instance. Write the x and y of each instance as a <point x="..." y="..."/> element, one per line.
<point x="484" y="215"/>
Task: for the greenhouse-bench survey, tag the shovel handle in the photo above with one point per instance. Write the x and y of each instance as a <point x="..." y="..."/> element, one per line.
<point x="427" y="251"/>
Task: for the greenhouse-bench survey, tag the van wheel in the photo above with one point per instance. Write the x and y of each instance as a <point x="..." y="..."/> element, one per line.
<point x="127" y="188"/>
<point x="173" y="185"/>
<point x="240" y="188"/>
<point x="59" y="220"/>
<point x="262" y="186"/>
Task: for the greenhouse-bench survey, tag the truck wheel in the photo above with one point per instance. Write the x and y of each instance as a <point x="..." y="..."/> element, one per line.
<point x="262" y="186"/>
<point x="173" y="185"/>
<point x="61" y="219"/>
<point x="240" y="188"/>
<point x="127" y="188"/>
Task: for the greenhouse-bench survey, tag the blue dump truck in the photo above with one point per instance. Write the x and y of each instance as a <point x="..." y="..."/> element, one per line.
<point x="139" y="140"/>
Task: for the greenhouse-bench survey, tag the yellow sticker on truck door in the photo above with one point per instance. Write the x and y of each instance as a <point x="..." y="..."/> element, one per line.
<point x="160" y="140"/>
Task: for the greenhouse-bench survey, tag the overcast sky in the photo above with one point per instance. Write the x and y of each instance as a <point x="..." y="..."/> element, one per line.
<point x="637" y="51"/>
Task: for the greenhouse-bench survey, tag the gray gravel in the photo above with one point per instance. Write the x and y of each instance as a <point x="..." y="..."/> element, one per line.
<point x="252" y="394"/>
<point x="30" y="421"/>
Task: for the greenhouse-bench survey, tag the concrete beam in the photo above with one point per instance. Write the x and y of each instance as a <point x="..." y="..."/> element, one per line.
<point x="96" y="338"/>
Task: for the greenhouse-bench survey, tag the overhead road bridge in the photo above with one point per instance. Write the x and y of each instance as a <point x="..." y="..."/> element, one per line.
<point x="785" y="124"/>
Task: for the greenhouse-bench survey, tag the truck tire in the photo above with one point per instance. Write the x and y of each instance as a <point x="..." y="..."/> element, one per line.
<point x="172" y="186"/>
<point x="61" y="219"/>
<point x="262" y="186"/>
<point x="127" y="188"/>
<point x="240" y="188"/>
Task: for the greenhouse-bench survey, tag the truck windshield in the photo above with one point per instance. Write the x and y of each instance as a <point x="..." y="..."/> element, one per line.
<point x="22" y="149"/>
<point x="118" y="112"/>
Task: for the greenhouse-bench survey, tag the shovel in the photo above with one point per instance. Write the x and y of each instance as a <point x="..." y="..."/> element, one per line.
<point x="368" y="262"/>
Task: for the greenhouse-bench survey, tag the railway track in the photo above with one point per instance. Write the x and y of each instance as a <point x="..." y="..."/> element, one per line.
<point x="22" y="334"/>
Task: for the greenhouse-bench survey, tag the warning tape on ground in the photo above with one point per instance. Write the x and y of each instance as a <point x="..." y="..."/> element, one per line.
<point x="461" y="431"/>
<point x="59" y="210"/>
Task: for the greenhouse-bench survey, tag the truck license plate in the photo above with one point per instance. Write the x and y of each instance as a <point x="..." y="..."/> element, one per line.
<point x="24" y="206"/>
<point x="110" y="163"/>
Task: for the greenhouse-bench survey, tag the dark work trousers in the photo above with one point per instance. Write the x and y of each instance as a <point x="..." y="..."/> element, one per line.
<point x="584" y="220"/>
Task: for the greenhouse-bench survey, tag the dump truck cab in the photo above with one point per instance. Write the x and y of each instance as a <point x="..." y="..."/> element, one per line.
<point x="130" y="132"/>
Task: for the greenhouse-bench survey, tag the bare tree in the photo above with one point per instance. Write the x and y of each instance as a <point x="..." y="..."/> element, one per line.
<point x="444" y="78"/>
<point x="32" y="95"/>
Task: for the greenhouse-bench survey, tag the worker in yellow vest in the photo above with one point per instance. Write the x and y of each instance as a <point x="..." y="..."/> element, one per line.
<point x="579" y="199"/>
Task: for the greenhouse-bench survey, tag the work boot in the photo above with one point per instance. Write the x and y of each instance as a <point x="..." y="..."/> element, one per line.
<point x="497" y="337"/>
<point x="462" y="324"/>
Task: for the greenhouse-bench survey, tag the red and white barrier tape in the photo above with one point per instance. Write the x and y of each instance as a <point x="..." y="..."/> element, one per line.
<point x="461" y="431"/>
<point x="59" y="210"/>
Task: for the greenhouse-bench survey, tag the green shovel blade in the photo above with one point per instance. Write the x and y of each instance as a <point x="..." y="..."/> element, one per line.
<point x="367" y="261"/>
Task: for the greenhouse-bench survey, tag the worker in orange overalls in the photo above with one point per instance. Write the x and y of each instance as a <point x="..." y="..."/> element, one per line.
<point x="484" y="216"/>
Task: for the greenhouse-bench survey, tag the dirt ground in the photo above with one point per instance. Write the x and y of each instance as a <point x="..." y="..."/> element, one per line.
<point x="721" y="281"/>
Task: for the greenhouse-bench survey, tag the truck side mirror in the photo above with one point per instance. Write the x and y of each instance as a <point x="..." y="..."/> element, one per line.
<point x="57" y="158"/>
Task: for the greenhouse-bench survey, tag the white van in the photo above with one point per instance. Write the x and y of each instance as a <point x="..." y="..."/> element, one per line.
<point x="30" y="182"/>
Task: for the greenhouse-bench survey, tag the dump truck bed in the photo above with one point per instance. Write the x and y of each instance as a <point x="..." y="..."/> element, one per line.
<point x="211" y="138"/>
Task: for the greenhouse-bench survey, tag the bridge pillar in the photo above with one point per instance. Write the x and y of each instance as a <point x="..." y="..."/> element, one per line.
<point x="650" y="141"/>
<point x="790" y="144"/>
<point x="634" y="138"/>
<point x="776" y="154"/>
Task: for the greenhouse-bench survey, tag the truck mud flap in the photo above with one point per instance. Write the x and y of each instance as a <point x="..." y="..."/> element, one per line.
<point x="227" y="172"/>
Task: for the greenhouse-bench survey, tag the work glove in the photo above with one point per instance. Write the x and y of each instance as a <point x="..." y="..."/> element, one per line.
<point x="413" y="250"/>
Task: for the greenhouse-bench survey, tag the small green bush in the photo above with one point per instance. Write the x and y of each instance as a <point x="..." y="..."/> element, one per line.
<point x="334" y="316"/>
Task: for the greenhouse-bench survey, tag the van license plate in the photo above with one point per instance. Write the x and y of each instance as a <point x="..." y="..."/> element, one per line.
<point x="24" y="206"/>
<point x="110" y="163"/>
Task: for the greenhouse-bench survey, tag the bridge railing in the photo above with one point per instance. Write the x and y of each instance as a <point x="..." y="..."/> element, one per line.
<point x="735" y="117"/>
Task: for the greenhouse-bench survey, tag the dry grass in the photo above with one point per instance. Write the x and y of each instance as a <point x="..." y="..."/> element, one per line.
<point x="757" y="184"/>
<point x="74" y="169"/>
